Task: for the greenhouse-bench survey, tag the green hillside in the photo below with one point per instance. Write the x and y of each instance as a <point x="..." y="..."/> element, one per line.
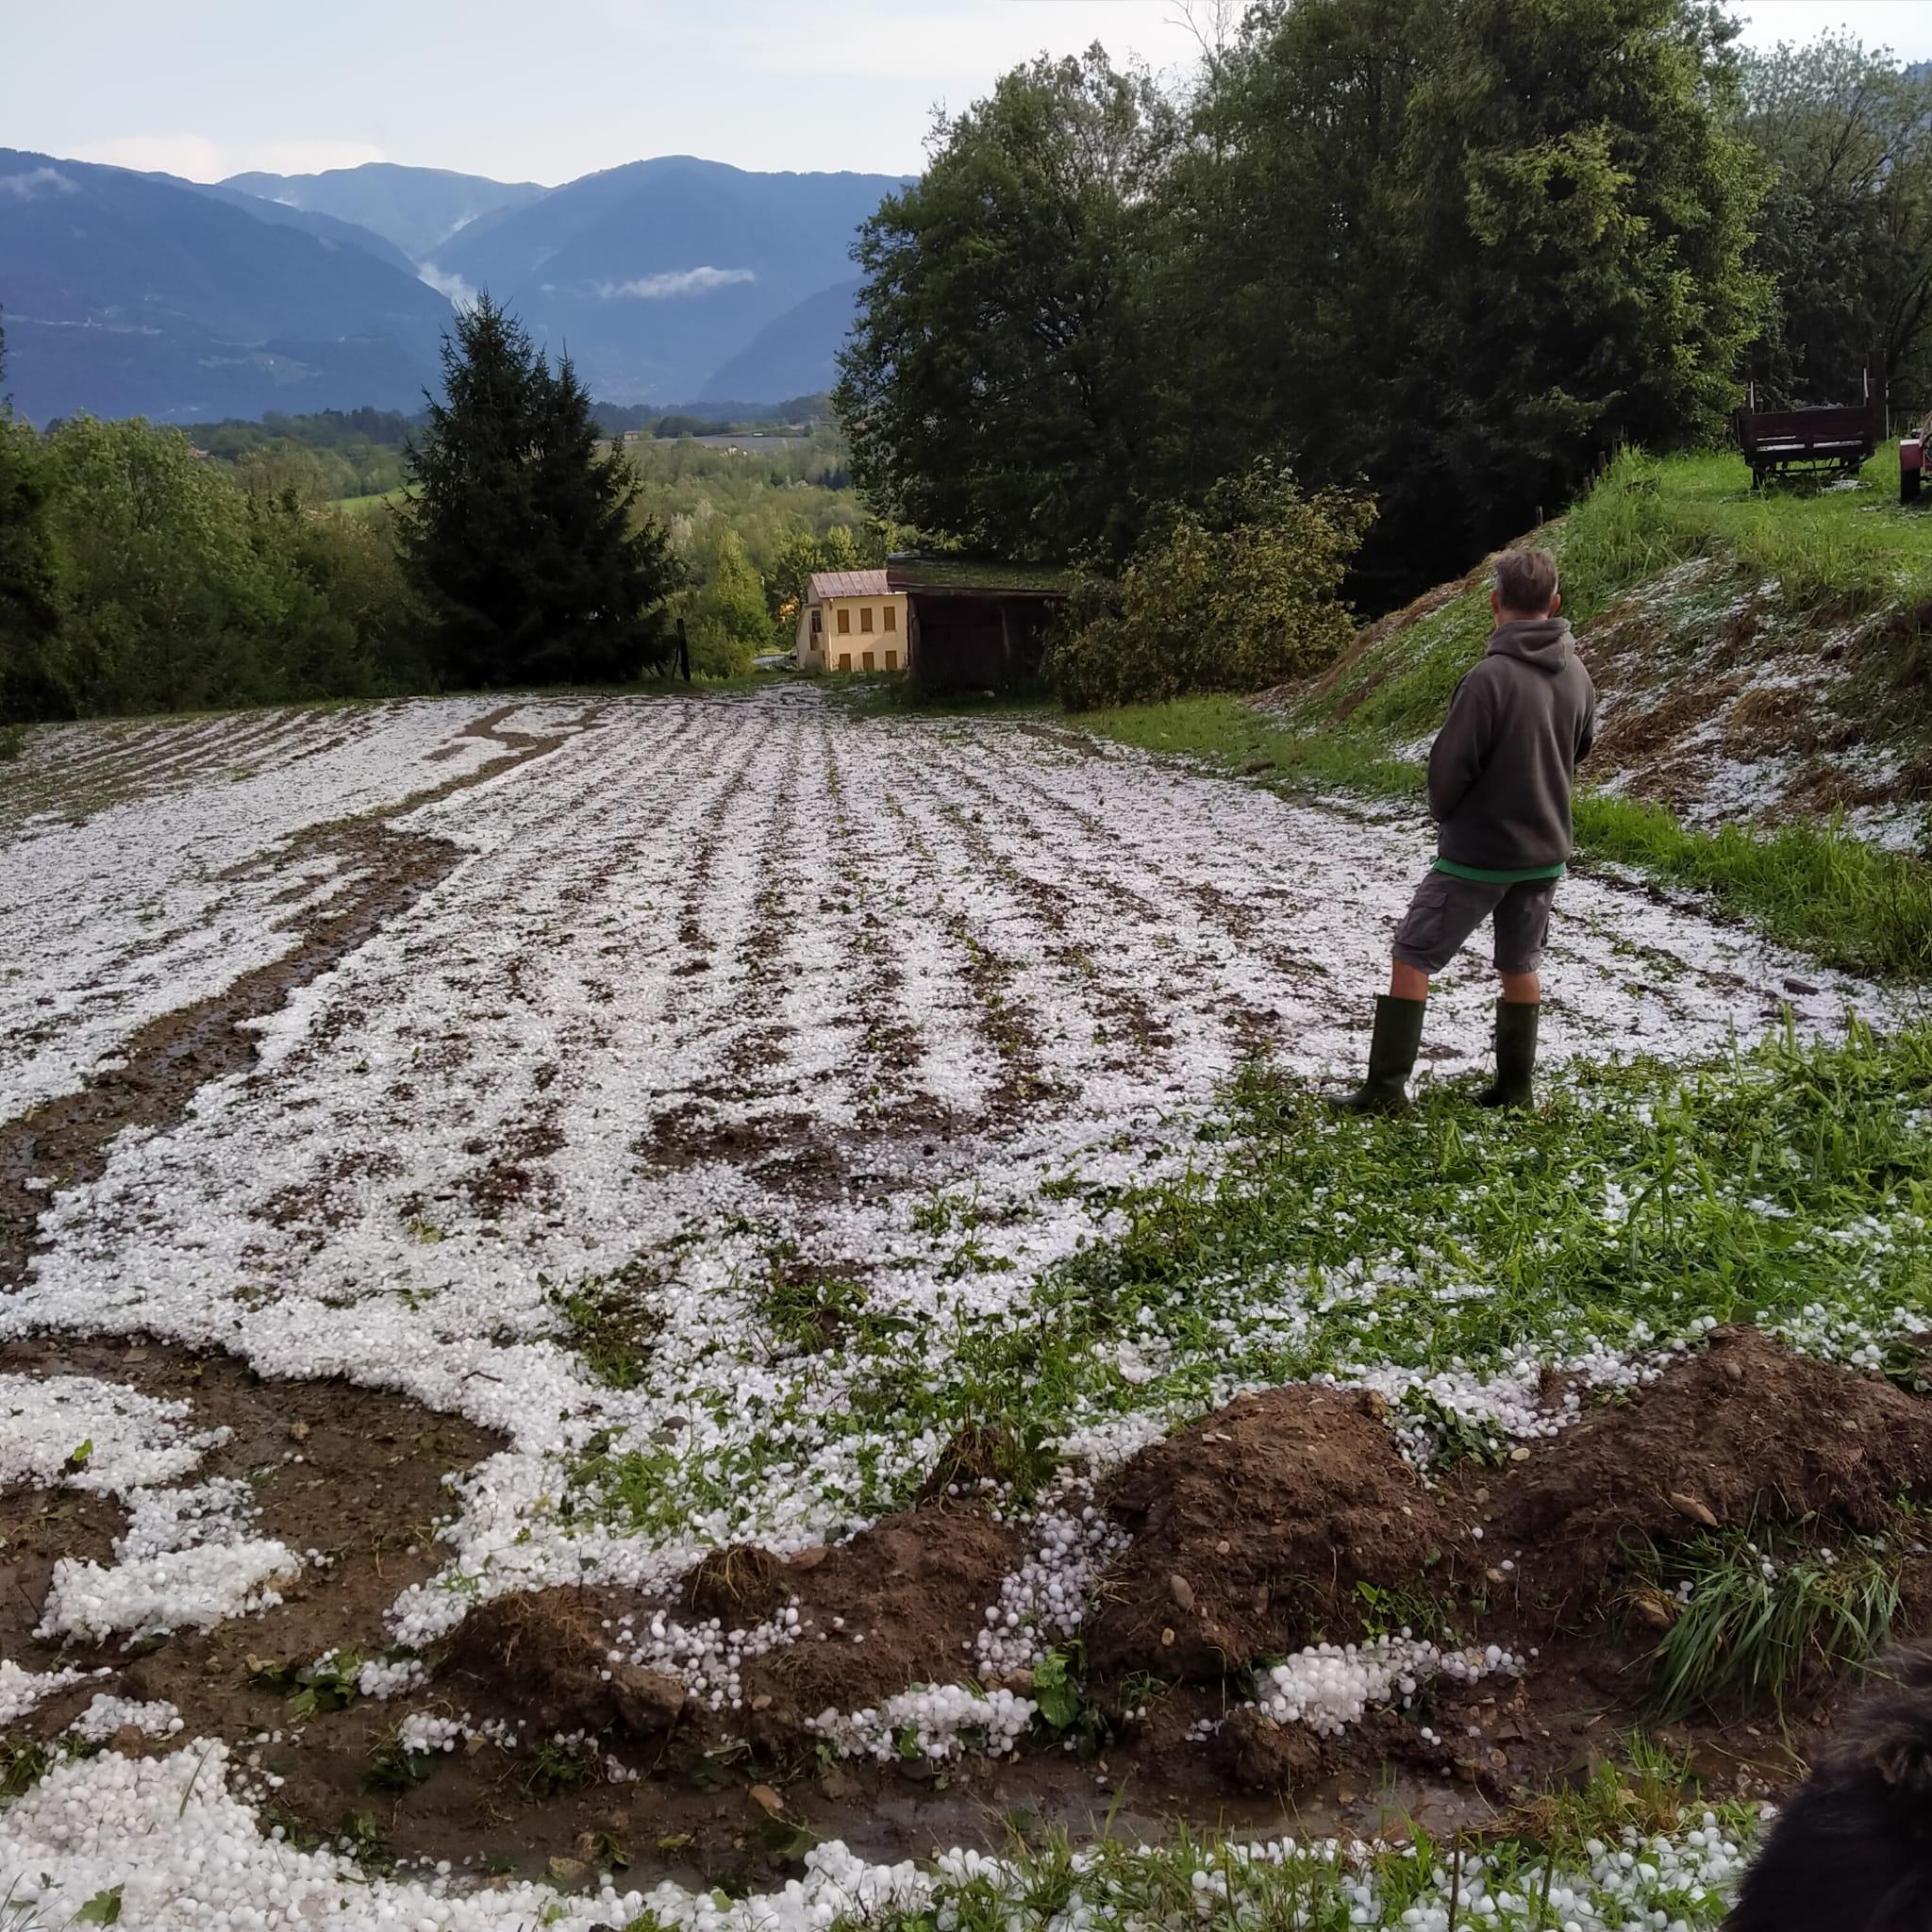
<point x="1765" y="666"/>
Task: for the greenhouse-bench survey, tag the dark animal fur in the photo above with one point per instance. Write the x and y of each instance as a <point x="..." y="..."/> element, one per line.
<point x="1852" y="1850"/>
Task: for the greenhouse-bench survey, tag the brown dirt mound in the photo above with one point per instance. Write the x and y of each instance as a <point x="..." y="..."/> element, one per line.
<point x="1251" y="1529"/>
<point x="546" y="1653"/>
<point x="739" y="1585"/>
<point x="1743" y="1432"/>
<point x="900" y="1605"/>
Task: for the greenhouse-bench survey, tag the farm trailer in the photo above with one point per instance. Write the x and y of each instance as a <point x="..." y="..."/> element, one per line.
<point x="1834" y="439"/>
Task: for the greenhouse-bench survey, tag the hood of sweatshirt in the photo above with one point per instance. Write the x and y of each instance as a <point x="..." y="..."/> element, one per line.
<point x="1544" y="641"/>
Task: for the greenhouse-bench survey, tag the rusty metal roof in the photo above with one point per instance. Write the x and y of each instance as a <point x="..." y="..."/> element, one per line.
<point x="848" y="583"/>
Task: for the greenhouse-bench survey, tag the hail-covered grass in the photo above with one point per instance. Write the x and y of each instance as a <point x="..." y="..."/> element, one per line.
<point x="171" y="1843"/>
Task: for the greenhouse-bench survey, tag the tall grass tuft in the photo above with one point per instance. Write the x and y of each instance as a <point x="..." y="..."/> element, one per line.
<point x="1847" y="551"/>
<point x="1748" y="1628"/>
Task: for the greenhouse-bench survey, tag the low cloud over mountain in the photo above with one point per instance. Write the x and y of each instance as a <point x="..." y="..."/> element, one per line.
<point x="667" y="281"/>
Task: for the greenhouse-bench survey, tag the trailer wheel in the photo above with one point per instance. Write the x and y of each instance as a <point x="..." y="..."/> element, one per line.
<point x="1909" y="482"/>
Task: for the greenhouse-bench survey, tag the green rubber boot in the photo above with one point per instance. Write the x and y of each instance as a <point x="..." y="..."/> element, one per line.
<point x="1391" y="1057"/>
<point x="1515" y="1056"/>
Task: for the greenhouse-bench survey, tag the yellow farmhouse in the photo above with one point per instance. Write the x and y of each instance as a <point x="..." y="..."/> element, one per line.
<point x="851" y="622"/>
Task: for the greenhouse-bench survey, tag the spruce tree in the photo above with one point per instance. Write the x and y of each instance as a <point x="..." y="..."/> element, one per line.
<point x="522" y="531"/>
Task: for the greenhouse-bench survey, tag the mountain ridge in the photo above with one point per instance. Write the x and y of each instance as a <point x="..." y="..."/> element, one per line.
<point x="667" y="279"/>
<point x="134" y="294"/>
<point x="415" y="209"/>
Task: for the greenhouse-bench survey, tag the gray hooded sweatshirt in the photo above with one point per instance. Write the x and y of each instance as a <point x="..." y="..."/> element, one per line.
<point x="1502" y="766"/>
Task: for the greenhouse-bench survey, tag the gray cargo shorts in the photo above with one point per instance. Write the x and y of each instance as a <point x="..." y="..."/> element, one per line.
<point x="1446" y="910"/>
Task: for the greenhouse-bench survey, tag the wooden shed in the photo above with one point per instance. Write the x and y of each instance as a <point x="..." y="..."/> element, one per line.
<point x="973" y="625"/>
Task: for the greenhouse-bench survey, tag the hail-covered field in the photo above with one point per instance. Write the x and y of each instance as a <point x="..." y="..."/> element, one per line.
<point x="714" y="1099"/>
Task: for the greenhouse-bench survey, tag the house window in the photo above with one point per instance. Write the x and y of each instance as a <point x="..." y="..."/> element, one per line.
<point x="845" y="657"/>
<point x="865" y="658"/>
<point x="891" y="618"/>
<point x="891" y="656"/>
<point x="865" y="618"/>
<point x="844" y="619"/>
<point x="818" y="623"/>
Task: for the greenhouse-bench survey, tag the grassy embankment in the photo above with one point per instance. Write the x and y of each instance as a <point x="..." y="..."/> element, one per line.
<point x="1833" y="555"/>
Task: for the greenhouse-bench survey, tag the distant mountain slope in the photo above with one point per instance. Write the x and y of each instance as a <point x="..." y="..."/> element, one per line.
<point x="323" y="227"/>
<point x="793" y="355"/>
<point x="126" y="293"/>
<point x="658" y="274"/>
<point x="417" y="209"/>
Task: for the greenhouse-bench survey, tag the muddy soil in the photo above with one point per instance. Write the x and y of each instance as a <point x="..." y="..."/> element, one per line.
<point x="356" y="1474"/>
<point x="1268" y="1516"/>
<point x="1741" y="1433"/>
<point x="1253" y="1529"/>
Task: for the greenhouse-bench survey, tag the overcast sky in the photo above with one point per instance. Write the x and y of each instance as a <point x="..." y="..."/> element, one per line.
<point x="207" y="88"/>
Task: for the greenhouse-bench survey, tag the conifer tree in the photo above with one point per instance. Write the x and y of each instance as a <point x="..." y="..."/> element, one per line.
<point x="524" y="532"/>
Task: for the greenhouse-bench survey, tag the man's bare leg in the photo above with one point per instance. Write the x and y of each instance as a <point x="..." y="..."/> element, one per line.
<point x="1410" y="983"/>
<point x="1520" y="988"/>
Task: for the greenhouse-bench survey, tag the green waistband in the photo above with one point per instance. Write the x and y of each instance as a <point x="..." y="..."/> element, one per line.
<point x="1500" y="878"/>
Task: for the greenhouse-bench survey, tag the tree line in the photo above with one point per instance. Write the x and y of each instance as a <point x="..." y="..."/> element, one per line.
<point x="146" y="569"/>
<point x="1446" y="253"/>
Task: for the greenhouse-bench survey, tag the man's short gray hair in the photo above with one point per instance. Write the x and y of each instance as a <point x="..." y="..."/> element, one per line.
<point x="1525" y="580"/>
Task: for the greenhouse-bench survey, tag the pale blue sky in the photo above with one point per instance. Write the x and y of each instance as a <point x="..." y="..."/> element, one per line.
<point x="205" y="87"/>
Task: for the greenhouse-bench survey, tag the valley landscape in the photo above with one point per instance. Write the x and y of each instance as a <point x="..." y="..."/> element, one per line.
<point x="672" y="281"/>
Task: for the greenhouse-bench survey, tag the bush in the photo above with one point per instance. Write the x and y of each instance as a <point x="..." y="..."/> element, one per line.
<point x="1238" y="596"/>
<point x="162" y="584"/>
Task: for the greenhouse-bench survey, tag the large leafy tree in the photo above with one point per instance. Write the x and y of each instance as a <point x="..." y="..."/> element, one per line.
<point x="173" y="595"/>
<point x="523" y="530"/>
<point x="1846" y="232"/>
<point x="1461" y="248"/>
<point x="995" y="385"/>
<point x="33" y="683"/>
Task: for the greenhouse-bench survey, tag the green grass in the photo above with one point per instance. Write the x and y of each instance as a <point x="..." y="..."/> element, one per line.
<point x="1506" y="1879"/>
<point x="1750" y="1623"/>
<point x="613" y="1321"/>
<point x="1811" y="886"/>
<point x="1638" y="1203"/>
<point x="368" y="506"/>
<point x="1230" y="735"/>
<point x="1847" y="550"/>
<point x="1791" y="1187"/>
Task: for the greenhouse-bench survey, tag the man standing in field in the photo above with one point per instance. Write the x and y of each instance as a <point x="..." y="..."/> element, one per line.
<point x="1500" y="776"/>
